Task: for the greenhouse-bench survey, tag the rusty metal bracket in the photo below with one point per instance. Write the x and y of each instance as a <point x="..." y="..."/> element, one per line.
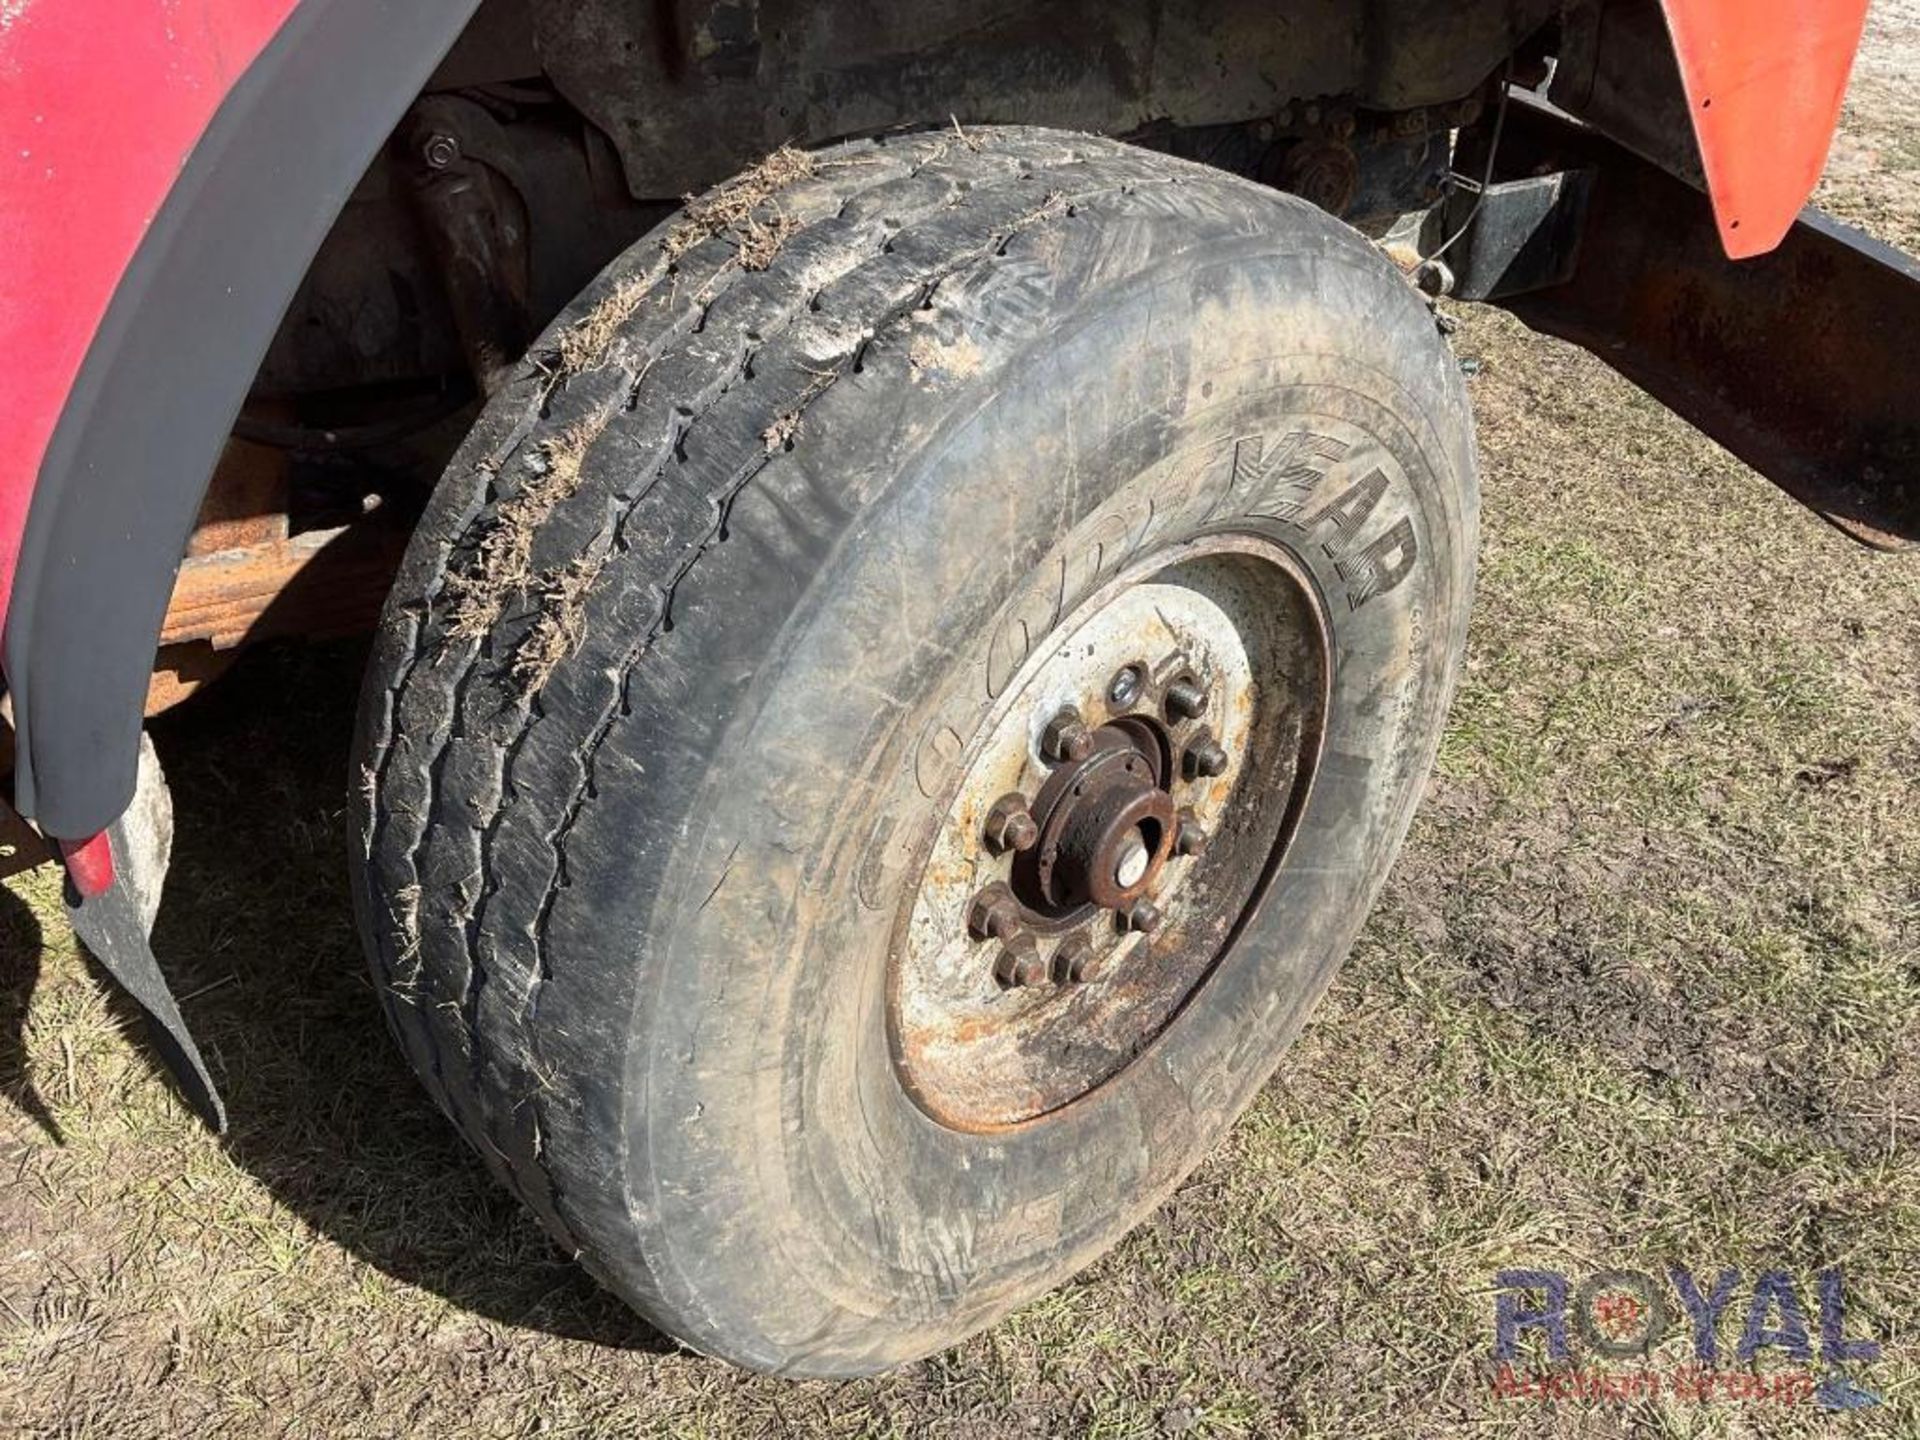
<point x="475" y="222"/>
<point x="1801" y="362"/>
<point x="22" y="847"/>
<point x="1519" y="235"/>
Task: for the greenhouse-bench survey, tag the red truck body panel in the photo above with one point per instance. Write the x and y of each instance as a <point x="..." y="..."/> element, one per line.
<point x="100" y="103"/>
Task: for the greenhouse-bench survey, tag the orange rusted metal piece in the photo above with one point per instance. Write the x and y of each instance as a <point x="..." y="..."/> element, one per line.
<point x="247" y="501"/>
<point x="21" y="846"/>
<point x="318" y="585"/>
<point x="245" y="578"/>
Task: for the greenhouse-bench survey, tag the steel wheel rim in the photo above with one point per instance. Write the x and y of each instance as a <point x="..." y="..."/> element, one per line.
<point x="1020" y="978"/>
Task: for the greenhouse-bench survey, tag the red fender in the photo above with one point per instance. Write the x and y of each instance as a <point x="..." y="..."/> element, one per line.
<point x="100" y="103"/>
<point x="1764" y="80"/>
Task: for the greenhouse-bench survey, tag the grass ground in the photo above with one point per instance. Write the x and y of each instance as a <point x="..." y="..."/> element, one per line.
<point x="1643" y="992"/>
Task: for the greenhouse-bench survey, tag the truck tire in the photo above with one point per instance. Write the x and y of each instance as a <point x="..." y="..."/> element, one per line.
<point x="892" y="720"/>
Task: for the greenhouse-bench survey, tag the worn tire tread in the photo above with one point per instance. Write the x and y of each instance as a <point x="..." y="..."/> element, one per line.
<point x="469" y="788"/>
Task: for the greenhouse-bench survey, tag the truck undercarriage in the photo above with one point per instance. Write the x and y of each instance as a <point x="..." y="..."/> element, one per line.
<point x="520" y="334"/>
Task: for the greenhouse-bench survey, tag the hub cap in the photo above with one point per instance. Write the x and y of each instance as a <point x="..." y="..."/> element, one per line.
<point x="1117" y="821"/>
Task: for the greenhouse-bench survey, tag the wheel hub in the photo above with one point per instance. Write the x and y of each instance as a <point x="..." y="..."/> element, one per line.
<point x="1076" y="894"/>
<point x="1106" y="827"/>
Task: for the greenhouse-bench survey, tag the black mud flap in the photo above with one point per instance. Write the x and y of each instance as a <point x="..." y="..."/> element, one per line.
<point x="112" y="929"/>
<point x="115" y="925"/>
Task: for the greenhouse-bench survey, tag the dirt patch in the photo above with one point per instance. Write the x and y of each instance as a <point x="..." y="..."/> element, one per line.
<point x="478" y="592"/>
<point x="585" y="344"/>
<point x="788" y="425"/>
<point x="957" y="358"/>
<point x="559" y="626"/>
<point x="732" y="207"/>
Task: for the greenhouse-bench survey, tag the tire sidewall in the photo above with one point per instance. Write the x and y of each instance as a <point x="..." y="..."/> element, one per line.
<point x="759" y="1054"/>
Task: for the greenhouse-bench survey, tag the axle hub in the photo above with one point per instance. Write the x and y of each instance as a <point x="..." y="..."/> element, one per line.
<point x="1112" y="819"/>
<point x="1107" y="826"/>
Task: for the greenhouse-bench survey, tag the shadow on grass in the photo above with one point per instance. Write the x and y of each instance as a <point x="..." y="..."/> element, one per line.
<point x="257" y="931"/>
<point x="21" y="944"/>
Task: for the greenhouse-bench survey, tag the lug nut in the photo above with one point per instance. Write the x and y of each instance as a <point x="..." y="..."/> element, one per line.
<point x="440" y="151"/>
<point x="1143" y="916"/>
<point x="1019" y="965"/>
<point x="1203" y="757"/>
<point x="1010" y="826"/>
<point x="1125" y="686"/>
<point x="1066" y="737"/>
<point x="1186" y="700"/>
<point x="1190" y="839"/>
<point x="1077" y="962"/>
<point x="994" y="915"/>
